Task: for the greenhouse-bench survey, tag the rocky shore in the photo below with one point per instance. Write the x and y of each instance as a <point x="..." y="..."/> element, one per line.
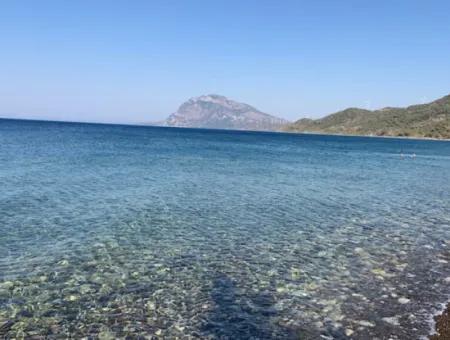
<point x="442" y="325"/>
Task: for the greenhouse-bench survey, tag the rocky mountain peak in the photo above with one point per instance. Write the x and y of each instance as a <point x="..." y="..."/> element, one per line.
<point x="220" y="112"/>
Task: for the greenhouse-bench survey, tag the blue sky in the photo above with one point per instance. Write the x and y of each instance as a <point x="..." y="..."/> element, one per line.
<point x="137" y="61"/>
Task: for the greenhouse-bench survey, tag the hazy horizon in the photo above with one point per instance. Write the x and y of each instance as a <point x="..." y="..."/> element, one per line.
<point x="136" y="63"/>
<point x="157" y="122"/>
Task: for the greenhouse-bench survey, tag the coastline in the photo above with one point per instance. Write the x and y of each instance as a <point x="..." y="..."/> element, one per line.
<point x="441" y="325"/>
<point x="369" y="136"/>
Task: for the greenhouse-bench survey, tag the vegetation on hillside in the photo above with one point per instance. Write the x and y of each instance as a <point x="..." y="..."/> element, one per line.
<point x="430" y="120"/>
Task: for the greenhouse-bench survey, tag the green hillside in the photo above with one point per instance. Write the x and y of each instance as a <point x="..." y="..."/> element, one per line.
<point x="430" y="120"/>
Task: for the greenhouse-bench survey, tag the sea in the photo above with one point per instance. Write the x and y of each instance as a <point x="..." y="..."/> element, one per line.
<point x="135" y="232"/>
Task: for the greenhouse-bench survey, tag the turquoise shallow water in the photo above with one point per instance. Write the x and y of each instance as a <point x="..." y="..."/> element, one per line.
<point x="117" y="231"/>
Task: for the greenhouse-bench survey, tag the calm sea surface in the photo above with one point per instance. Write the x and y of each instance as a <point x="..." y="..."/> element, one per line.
<point x="122" y="231"/>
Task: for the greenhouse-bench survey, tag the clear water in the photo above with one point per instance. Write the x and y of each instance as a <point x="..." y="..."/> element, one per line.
<point x="117" y="231"/>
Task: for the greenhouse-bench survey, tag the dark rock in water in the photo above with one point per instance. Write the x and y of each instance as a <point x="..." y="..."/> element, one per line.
<point x="50" y="313"/>
<point x="442" y="326"/>
<point x="16" y="301"/>
<point x="26" y="314"/>
<point x="264" y="300"/>
<point x="268" y="311"/>
<point x="6" y="326"/>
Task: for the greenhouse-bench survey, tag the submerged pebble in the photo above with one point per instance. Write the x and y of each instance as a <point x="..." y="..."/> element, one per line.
<point x="393" y="320"/>
<point x="403" y="300"/>
<point x="365" y="323"/>
<point x="349" y="332"/>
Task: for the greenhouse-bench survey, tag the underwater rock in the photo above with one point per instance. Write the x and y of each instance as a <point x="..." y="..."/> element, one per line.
<point x="281" y="289"/>
<point x="43" y="278"/>
<point x="25" y="314"/>
<point x="7" y="285"/>
<point x="295" y="273"/>
<point x="348" y="331"/>
<point x="322" y="253"/>
<point x="299" y="293"/>
<point x="72" y="298"/>
<point x="312" y="286"/>
<point x="393" y="320"/>
<point x="85" y="289"/>
<point x="381" y="272"/>
<point x="150" y="305"/>
<point x="105" y="334"/>
<point x="63" y="263"/>
<point x="272" y="272"/>
<point x="6" y="326"/>
<point x="403" y="300"/>
<point x="105" y="289"/>
<point x="401" y="267"/>
<point x="365" y="323"/>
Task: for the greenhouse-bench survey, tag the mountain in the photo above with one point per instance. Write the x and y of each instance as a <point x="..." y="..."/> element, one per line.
<point x="218" y="112"/>
<point x="427" y="120"/>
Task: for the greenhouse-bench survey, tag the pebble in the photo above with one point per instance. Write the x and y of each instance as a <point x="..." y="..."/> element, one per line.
<point x="105" y="334"/>
<point x="381" y="272"/>
<point x="150" y="305"/>
<point x="180" y="328"/>
<point x="348" y="332"/>
<point x="393" y="320"/>
<point x="7" y="284"/>
<point x="447" y="280"/>
<point x="72" y="298"/>
<point x="318" y="324"/>
<point x="322" y="254"/>
<point x="299" y="293"/>
<point x="403" y="300"/>
<point x="295" y="273"/>
<point x="281" y="289"/>
<point x="365" y="323"/>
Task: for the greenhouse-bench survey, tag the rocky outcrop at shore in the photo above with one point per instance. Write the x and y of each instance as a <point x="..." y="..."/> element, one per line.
<point x="442" y="326"/>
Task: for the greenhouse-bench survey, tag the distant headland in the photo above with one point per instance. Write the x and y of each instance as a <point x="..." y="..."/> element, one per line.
<point x="430" y="120"/>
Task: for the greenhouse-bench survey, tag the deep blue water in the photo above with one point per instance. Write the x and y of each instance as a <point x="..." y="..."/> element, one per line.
<point x="122" y="231"/>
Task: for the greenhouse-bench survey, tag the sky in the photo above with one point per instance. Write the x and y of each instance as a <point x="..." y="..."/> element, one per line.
<point x="137" y="61"/>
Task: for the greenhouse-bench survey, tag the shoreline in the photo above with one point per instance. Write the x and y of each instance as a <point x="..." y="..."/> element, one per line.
<point x="369" y="136"/>
<point x="441" y="324"/>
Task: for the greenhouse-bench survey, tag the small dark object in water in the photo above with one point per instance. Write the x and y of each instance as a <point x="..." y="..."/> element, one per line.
<point x="442" y="326"/>
<point x="5" y="327"/>
<point x="26" y="314"/>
